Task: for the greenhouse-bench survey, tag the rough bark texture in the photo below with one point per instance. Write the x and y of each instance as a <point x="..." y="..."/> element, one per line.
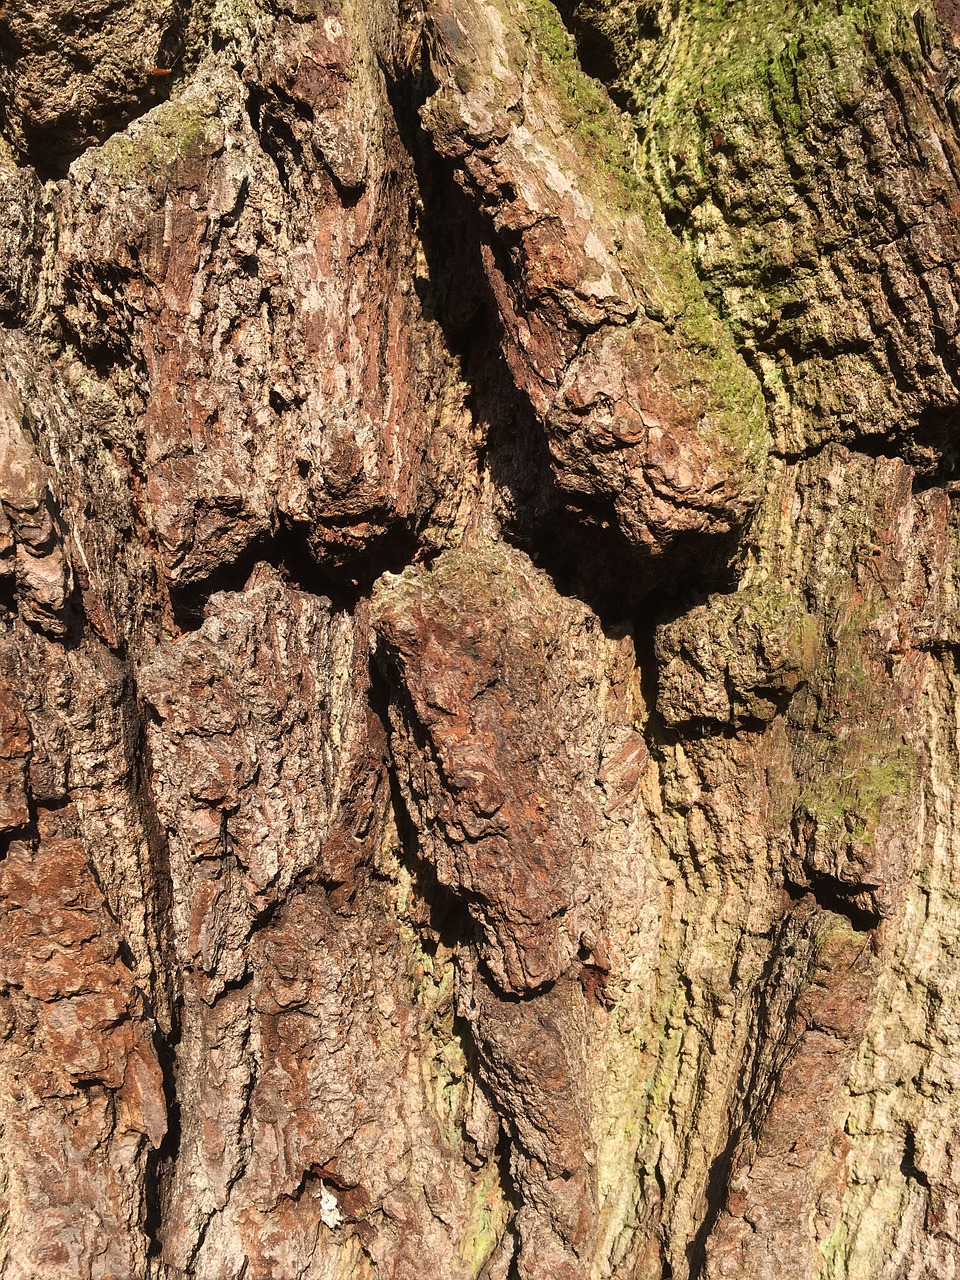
<point x="479" y="631"/>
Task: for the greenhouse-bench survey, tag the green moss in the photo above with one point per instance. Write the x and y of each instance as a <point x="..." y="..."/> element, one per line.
<point x="8" y="158"/>
<point x="487" y="1215"/>
<point x="737" y="424"/>
<point x="173" y="132"/>
<point x="229" y="18"/>
<point x="854" y="782"/>
<point x="760" y="74"/>
<point x="737" y="106"/>
<point x="771" y="48"/>
<point x="717" y="389"/>
<point x="604" y="138"/>
<point x="447" y="1080"/>
<point x="777" y="609"/>
<point x="633" y="1105"/>
<point x="834" y="1251"/>
<point x="450" y="1084"/>
<point x="642" y="1102"/>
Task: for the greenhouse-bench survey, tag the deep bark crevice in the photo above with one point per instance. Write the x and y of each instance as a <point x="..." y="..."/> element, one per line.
<point x="343" y="581"/>
<point x="833" y="895"/>
<point x="575" y="538"/>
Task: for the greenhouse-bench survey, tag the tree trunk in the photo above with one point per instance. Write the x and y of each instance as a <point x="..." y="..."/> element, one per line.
<point x="479" y="631"/>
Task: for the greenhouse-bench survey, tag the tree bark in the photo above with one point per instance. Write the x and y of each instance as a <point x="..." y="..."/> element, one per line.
<point x="479" y="617"/>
